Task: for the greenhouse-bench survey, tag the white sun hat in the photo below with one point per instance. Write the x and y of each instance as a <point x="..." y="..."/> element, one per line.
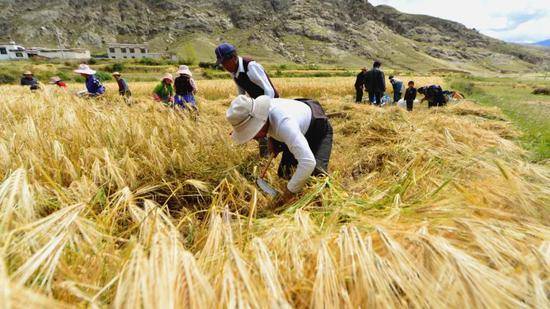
<point x="247" y="116"/>
<point x="184" y="70"/>
<point x="84" y="69"/>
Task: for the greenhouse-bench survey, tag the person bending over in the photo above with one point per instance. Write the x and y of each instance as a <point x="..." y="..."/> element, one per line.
<point x="297" y="128"/>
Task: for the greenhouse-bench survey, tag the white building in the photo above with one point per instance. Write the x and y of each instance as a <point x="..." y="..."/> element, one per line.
<point x="12" y="51"/>
<point x="130" y="51"/>
<point x="66" y="53"/>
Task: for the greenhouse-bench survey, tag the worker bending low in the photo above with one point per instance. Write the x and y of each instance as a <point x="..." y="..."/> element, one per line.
<point x="434" y="95"/>
<point x="28" y="79"/>
<point x="297" y="128"/>
<point x="94" y="88"/>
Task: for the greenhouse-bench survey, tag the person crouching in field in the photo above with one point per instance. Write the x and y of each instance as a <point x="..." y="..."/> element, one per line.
<point x="249" y="76"/>
<point x="28" y="79"/>
<point x="123" y="89"/>
<point x="397" y="89"/>
<point x="299" y="129"/>
<point x="410" y="96"/>
<point x="185" y="89"/>
<point x="56" y="80"/>
<point x="164" y="92"/>
<point x="94" y="88"/>
<point x="433" y="94"/>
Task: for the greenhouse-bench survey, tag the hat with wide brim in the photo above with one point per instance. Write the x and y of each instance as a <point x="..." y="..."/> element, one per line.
<point x="247" y="116"/>
<point x="168" y="76"/>
<point x="55" y="79"/>
<point x="184" y="70"/>
<point x="27" y="73"/>
<point x="117" y="74"/>
<point x="84" y="69"/>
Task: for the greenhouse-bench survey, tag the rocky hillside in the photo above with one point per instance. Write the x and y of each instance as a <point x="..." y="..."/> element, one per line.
<point x="347" y="32"/>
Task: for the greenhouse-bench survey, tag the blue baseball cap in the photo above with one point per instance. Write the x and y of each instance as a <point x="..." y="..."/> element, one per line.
<point x="224" y="51"/>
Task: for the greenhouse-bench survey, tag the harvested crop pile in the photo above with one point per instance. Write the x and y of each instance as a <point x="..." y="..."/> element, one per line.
<point x="108" y="205"/>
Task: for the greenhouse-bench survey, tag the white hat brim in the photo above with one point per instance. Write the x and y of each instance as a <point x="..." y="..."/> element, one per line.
<point x="185" y="72"/>
<point x="246" y="132"/>
<point x="89" y="72"/>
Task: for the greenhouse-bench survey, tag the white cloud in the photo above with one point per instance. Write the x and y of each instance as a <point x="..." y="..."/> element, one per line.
<point x="517" y="21"/>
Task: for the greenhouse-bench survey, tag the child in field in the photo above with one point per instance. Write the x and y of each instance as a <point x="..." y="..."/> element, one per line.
<point x="94" y="88"/>
<point x="164" y="92"/>
<point x="185" y="89"/>
<point x="410" y="96"/>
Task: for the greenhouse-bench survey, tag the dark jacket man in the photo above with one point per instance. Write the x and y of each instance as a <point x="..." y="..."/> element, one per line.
<point x="375" y="82"/>
<point x="360" y="85"/>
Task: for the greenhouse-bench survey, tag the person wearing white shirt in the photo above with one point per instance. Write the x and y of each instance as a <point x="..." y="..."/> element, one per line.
<point x="249" y="76"/>
<point x="297" y="128"/>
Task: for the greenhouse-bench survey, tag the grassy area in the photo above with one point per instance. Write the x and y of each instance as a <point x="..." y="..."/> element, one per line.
<point x="531" y="113"/>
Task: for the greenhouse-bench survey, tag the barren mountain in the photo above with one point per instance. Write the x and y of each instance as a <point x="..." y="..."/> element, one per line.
<point x="305" y="31"/>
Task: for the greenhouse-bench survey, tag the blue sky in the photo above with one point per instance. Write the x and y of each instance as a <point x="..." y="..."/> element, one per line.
<point x="524" y="21"/>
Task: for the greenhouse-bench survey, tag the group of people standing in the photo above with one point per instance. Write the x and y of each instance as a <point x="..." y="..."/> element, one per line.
<point x="374" y="83"/>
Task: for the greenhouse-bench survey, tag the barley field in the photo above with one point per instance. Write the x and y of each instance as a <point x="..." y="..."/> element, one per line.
<point x="107" y="205"/>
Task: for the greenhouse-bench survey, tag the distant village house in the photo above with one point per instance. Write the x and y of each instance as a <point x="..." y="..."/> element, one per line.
<point x="12" y="51"/>
<point x="130" y="51"/>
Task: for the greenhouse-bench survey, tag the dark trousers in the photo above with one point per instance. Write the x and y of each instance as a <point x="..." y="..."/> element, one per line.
<point x="321" y="148"/>
<point x="375" y="97"/>
<point x="358" y="94"/>
<point x="410" y="105"/>
<point x="436" y="103"/>
<point x="396" y="97"/>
